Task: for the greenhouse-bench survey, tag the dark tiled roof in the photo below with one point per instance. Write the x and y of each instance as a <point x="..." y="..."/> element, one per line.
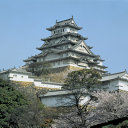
<point x="16" y="70"/>
<point x="113" y="76"/>
<point x="64" y="34"/>
<point x="57" y="44"/>
<point x="69" y="22"/>
<point x="29" y="59"/>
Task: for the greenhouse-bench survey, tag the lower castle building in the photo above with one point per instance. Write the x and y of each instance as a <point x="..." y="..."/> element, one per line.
<point x="54" y="98"/>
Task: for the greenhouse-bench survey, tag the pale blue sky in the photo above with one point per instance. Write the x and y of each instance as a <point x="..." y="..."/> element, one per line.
<point x="23" y="23"/>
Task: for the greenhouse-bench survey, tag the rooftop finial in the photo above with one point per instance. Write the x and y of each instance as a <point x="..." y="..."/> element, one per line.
<point x="72" y="16"/>
<point x="56" y="21"/>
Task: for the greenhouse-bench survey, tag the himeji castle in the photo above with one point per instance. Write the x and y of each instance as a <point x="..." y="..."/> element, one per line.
<point x="66" y="47"/>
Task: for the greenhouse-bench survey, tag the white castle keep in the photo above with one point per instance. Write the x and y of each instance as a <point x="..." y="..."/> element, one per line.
<point x="66" y="47"/>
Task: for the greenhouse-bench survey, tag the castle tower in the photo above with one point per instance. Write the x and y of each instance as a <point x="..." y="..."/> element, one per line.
<point x="66" y="47"/>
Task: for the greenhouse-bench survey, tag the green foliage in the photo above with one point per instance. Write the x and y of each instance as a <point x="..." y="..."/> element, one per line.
<point x="35" y="113"/>
<point x="10" y="99"/>
<point x="123" y="124"/>
<point x="80" y="84"/>
<point x="120" y="125"/>
<point x="109" y="126"/>
<point x="85" y="78"/>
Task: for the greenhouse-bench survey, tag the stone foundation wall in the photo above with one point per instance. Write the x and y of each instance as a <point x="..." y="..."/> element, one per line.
<point x="59" y="74"/>
<point x="23" y="83"/>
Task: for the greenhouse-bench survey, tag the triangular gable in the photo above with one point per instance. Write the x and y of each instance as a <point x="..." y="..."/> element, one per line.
<point x="46" y="43"/>
<point x="72" y="22"/>
<point x="81" y="46"/>
<point x="62" y="39"/>
<point x="46" y="53"/>
<point x="53" y="51"/>
<point x="68" y="21"/>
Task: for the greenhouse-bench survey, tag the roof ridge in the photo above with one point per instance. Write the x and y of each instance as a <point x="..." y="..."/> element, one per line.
<point x="116" y="73"/>
<point x="64" y="20"/>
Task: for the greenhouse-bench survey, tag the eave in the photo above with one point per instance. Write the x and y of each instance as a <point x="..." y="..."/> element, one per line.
<point x="99" y="59"/>
<point x="29" y="59"/>
<point x="104" y="67"/>
<point x="65" y="25"/>
<point x="27" y="73"/>
<point x="90" y="47"/>
<point x="64" y="34"/>
<point x="101" y="70"/>
<point x="67" y="42"/>
<point x="64" y="58"/>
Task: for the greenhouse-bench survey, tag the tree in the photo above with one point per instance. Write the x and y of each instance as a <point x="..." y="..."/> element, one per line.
<point x="20" y="107"/>
<point x="10" y="99"/>
<point x="35" y="114"/>
<point x="110" y="106"/>
<point x="80" y="84"/>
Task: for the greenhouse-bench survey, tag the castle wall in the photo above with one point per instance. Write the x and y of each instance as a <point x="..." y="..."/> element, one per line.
<point x="61" y="98"/>
<point x="111" y="85"/>
<point x="63" y="30"/>
<point x="123" y="85"/>
<point x="20" y="77"/>
<point x="39" y="83"/>
<point x="116" y="85"/>
<point x="56" y="101"/>
<point x="4" y="76"/>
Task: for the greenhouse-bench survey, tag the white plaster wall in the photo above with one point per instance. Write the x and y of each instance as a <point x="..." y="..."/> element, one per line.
<point x="123" y="85"/>
<point x="52" y="56"/>
<point x="47" y="85"/>
<point x="72" y="30"/>
<point x="111" y="86"/>
<point x="20" y="77"/>
<point x="55" y="101"/>
<point x="83" y="100"/>
<point x="58" y="30"/>
<point x="38" y="83"/>
<point x="62" y="100"/>
<point x="40" y="59"/>
<point x="82" y="64"/>
<point x="64" y="63"/>
<point x="125" y="76"/>
<point x="67" y="29"/>
<point x="100" y="63"/>
<point x="74" y="39"/>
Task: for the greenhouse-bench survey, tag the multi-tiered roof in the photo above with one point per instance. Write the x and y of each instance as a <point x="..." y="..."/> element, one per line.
<point x="66" y="47"/>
